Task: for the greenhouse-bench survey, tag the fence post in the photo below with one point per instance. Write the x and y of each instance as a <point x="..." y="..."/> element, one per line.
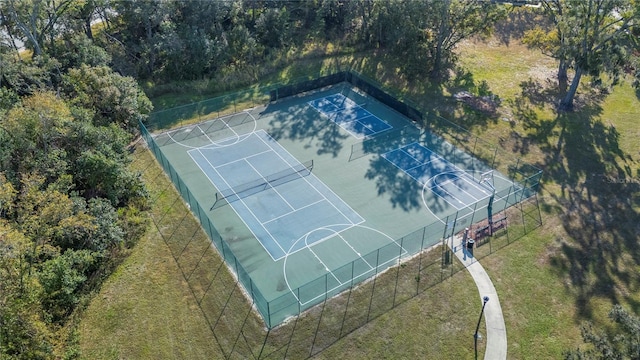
<point x="473" y="215"/>
<point x="395" y="291"/>
<point x="373" y="287"/>
<point x="453" y="229"/>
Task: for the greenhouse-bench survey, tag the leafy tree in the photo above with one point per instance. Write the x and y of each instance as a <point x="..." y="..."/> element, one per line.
<point x="37" y="21"/>
<point x="424" y="34"/>
<point x="32" y="133"/>
<point x="8" y="98"/>
<point x="552" y="42"/>
<point x="622" y="343"/>
<point x="244" y="50"/>
<point x="98" y="162"/>
<point x="143" y="31"/>
<point x="62" y="279"/>
<point x="23" y="330"/>
<point x="457" y="20"/>
<point x="113" y="98"/>
<point x="75" y="50"/>
<point x="337" y="16"/>
<point x="272" y="28"/>
<point x="27" y="77"/>
<point x="108" y="234"/>
<point x="589" y="36"/>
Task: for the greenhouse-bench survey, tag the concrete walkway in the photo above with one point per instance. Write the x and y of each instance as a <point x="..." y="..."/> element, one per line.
<point x="496" y="332"/>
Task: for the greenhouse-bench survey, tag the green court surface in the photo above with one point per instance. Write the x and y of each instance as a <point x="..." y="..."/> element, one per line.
<point x="355" y="213"/>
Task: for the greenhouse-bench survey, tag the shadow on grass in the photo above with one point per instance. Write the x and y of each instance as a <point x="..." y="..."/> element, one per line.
<point x="598" y="197"/>
<point x="519" y="20"/>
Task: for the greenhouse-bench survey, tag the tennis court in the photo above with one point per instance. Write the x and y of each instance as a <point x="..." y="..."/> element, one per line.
<point x="297" y="216"/>
<point x="276" y="196"/>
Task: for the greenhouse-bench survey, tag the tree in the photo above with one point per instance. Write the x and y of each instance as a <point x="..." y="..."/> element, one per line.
<point x="143" y="31"/>
<point x="424" y="34"/>
<point x="33" y="132"/>
<point x="622" y="343"/>
<point x="27" y="77"/>
<point x="454" y="21"/>
<point x="272" y="28"/>
<point x="36" y="20"/>
<point x="553" y="42"/>
<point x="337" y="16"/>
<point x="23" y="330"/>
<point x="62" y="279"/>
<point x="113" y="98"/>
<point x="589" y="36"/>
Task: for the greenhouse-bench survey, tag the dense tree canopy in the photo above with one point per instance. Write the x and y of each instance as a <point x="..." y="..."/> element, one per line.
<point x="69" y="204"/>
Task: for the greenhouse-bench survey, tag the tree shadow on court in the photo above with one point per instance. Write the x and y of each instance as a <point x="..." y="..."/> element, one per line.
<point x="300" y="123"/>
<point x="477" y="108"/>
<point x="593" y="186"/>
<point x="404" y="192"/>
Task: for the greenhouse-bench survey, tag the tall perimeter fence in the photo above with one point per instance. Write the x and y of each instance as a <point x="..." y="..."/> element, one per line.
<point x="239" y="333"/>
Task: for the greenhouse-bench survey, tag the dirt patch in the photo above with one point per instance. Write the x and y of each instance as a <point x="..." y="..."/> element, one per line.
<point x="485" y="104"/>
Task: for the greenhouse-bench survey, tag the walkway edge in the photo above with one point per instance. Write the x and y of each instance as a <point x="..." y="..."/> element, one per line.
<point x="496" y="331"/>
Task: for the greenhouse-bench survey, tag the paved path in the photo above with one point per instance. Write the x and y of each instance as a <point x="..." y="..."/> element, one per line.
<point x="496" y="332"/>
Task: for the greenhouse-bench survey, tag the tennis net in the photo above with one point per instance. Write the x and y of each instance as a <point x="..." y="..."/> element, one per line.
<point x="226" y="196"/>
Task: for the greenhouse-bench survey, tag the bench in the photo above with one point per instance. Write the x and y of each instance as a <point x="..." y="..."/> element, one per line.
<point x="481" y="232"/>
<point x="487" y="230"/>
<point x="500" y="223"/>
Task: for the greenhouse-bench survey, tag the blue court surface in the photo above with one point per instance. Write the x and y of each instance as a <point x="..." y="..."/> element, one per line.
<point x="440" y="176"/>
<point x="352" y="117"/>
<point x="285" y="216"/>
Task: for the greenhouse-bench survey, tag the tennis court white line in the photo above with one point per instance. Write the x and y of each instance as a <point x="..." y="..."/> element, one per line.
<point x="474" y="183"/>
<point x="225" y="124"/>
<point x="354" y="279"/>
<point x="249" y="210"/>
<point x="294" y="210"/>
<point x="450" y="181"/>
<point x="341" y="284"/>
<point x="205" y="134"/>
<point x="262" y="224"/>
<point x="450" y="195"/>
<point x="465" y="205"/>
<point x="268" y="184"/>
<point x="234" y="210"/>
<point x="439" y="157"/>
<point x="329" y="114"/>
<point x="320" y="192"/>
<point x="469" y="207"/>
<point x="321" y="240"/>
<point x="191" y="127"/>
<point x="411" y="156"/>
<point x="357" y="253"/>
<point x="232" y="161"/>
<point x="321" y="262"/>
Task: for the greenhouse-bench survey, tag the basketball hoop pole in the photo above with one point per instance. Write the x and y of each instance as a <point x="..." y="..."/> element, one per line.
<point x="490" y="205"/>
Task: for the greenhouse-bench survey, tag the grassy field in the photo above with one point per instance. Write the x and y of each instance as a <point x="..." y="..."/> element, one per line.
<point x="582" y="260"/>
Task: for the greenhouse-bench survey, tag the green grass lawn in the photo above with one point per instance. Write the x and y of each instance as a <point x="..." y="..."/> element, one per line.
<point x="582" y="260"/>
<point x="585" y="257"/>
<point x="145" y="310"/>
